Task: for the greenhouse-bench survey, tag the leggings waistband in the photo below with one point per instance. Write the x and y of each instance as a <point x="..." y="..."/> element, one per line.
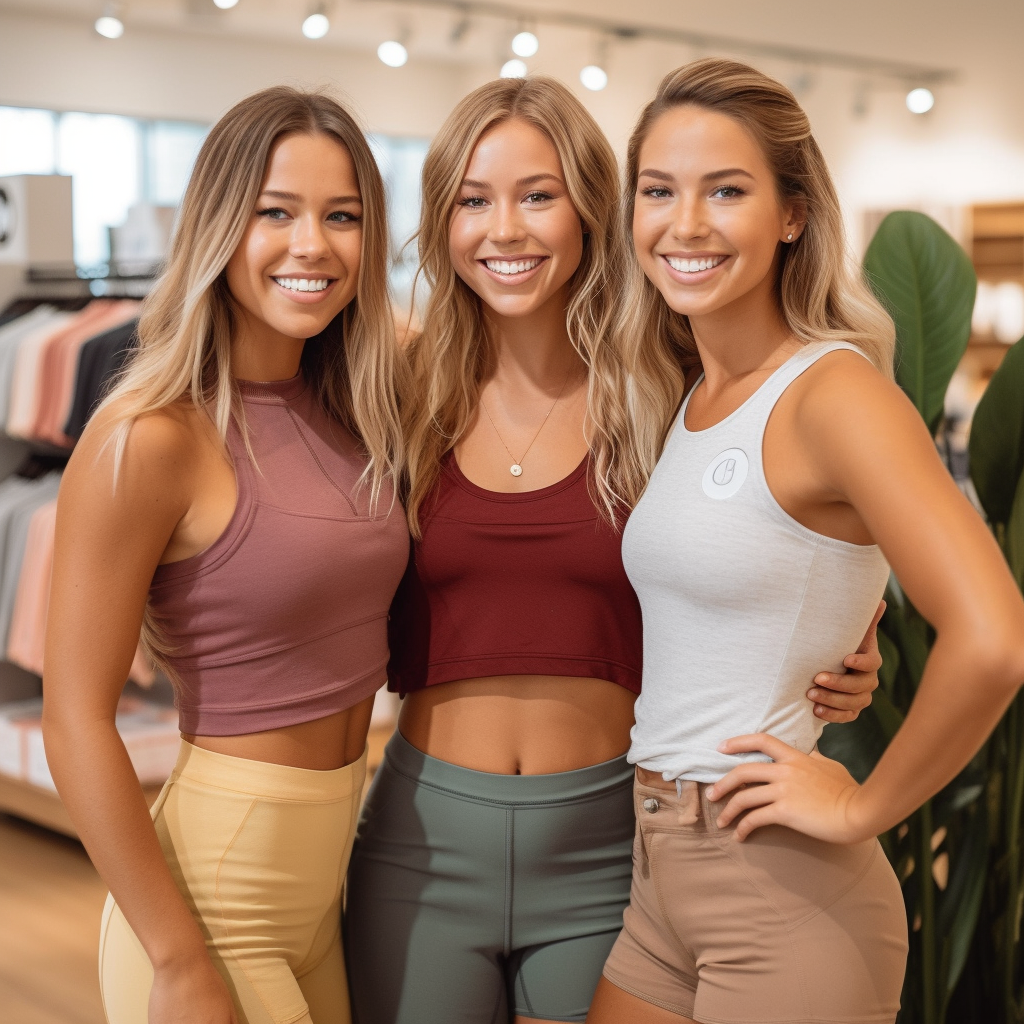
<point x="267" y="780"/>
<point x="558" y="787"/>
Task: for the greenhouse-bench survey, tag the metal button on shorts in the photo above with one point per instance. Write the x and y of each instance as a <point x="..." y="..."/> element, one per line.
<point x="651" y="805"/>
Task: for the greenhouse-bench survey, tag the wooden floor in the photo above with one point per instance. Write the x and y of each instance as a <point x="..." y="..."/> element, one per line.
<point x="50" y="904"/>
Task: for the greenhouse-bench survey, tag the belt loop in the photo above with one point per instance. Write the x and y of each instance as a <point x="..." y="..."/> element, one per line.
<point x="679" y="789"/>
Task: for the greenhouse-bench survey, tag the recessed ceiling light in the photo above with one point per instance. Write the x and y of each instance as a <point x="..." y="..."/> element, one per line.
<point x="393" y="53"/>
<point x="525" y="44"/>
<point x="513" y="69"/>
<point x="316" y="26"/>
<point x="109" y="27"/>
<point x="225" y="5"/>
<point x="920" y="101"/>
<point x="594" y="77"/>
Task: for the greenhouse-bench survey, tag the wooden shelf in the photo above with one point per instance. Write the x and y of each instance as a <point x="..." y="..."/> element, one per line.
<point x="43" y="806"/>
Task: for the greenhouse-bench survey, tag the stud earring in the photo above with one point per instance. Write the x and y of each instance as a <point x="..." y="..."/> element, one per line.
<point x="789" y="237"/>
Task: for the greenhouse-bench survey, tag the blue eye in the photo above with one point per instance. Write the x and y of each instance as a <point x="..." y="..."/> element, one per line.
<point x="272" y="213"/>
<point x="728" y="192"/>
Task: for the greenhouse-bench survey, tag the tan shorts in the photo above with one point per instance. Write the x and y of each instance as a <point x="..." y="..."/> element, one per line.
<point x="779" y="928"/>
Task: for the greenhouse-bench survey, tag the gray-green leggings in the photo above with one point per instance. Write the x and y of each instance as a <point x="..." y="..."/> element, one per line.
<point x="473" y="897"/>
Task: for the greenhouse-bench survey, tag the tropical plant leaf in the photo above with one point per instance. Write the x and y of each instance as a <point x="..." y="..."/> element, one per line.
<point x="962" y="900"/>
<point x="890" y="661"/>
<point x="926" y="282"/>
<point x="997" y="437"/>
<point x="857" y="745"/>
<point x="1013" y="538"/>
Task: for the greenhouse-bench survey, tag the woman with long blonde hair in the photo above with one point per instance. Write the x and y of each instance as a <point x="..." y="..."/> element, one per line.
<point x="793" y="474"/>
<point x="493" y="858"/>
<point x="233" y="499"/>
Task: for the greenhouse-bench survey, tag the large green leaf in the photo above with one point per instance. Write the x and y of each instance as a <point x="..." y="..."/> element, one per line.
<point x="1014" y="536"/>
<point x="997" y="437"/>
<point x="926" y="282"/>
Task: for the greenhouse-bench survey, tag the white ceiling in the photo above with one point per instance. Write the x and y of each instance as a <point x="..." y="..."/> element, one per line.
<point x="944" y="33"/>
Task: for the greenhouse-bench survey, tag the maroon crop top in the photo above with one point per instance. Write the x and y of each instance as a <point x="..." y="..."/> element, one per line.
<point x="283" y="619"/>
<point x="514" y="584"/>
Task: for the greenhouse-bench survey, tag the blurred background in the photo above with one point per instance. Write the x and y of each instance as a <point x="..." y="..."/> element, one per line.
<point x="917" y="105"/>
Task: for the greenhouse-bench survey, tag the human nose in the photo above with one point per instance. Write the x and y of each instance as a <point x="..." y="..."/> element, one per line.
<point x="689" y="219"/>
<point x="506" y="223"/>
<point x="308" y="240"/>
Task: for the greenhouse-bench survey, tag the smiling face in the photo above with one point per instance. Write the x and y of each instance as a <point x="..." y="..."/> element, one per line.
<point x="515" y="237"/>
<point x="297" y="265"/>
<point x="707" y="220"/>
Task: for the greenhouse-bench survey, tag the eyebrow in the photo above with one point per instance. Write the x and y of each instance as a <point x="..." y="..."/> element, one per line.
<point x="292" y="197"/>
<point x="728" y="172"/>
<point x="521" y="183"/>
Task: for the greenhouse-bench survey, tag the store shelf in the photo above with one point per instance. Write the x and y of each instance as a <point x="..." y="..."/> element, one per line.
<point x="43" y="806"/>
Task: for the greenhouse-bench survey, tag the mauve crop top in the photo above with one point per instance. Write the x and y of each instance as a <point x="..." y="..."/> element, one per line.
<point x="514" y="584"/>
<point x="283" y="619"/>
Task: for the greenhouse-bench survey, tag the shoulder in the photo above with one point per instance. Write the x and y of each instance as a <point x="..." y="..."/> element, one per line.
<point x="151" y="455"/>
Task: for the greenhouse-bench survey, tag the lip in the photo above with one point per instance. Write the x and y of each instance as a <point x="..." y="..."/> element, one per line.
<point x="513" y="279"/>
<point x="699" y="276"/>
<point x="304" y="298"/>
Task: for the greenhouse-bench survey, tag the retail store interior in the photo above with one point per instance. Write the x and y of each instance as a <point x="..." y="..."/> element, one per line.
<point x="917" y="106"/>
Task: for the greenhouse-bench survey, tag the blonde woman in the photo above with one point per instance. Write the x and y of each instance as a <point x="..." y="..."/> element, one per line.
<point x="493" y="858"/>
<point x="753" y="553"/>
<point x="233" y="497"/>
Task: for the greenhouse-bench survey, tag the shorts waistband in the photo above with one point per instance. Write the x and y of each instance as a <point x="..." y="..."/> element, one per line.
<point x="558" y="787"/>
<point x="691" y="809"/>
<point x="267" y="780"/>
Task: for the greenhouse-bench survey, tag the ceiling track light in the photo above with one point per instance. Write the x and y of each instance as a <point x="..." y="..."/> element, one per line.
<point x="109" y="23"/>
<point x="225" y="5"/>
<point x="594" y="76"/>
<point x="317" y="24"/>
<point x="395" y="52"/>
<point x="525" y="43"/>
<point x="920" y="100"/>
<point x="513" y="68"/>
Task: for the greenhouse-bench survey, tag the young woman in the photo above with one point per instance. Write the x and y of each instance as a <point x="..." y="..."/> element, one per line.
<point x="493" y="858"/>
<point x="753" y="555"/>
<point x="233" y="498"/>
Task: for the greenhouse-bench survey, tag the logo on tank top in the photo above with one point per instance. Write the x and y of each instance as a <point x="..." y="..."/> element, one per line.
<point x="725" y="476"/>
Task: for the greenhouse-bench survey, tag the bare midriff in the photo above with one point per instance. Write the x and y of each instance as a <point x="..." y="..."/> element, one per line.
<point x="520" y="725"/>
<point x="322" y="745"/>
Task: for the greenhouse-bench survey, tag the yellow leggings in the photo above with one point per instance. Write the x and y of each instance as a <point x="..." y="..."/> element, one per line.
<point x="259" y="851"/>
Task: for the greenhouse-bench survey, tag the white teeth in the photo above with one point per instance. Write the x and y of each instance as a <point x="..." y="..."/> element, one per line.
<point x="693" y="266"/>
<point x="506" y="267"/>
<point x="303" y="284"/>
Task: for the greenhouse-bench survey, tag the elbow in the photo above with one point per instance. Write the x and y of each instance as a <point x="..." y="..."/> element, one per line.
<point x="999" y="660"/>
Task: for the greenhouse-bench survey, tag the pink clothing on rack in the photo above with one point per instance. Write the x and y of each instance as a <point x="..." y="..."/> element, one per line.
<point x="27" y="636"/>
<point x="55" y="377"/>
<point x="56" y="382"/>
<point x="28" y="622"/>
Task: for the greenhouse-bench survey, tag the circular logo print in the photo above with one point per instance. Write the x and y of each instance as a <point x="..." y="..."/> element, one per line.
<point x="725" y="476"/>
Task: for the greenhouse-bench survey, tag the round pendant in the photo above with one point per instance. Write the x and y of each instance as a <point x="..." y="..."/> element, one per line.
<point x="516" y="470"/>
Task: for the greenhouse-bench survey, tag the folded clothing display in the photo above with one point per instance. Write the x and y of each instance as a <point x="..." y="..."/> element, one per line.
<point x="55" y="366"/>
<point x="149" y="731"/>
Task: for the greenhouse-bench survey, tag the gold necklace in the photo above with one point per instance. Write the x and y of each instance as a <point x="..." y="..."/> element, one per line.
<point x="516" y="469"/>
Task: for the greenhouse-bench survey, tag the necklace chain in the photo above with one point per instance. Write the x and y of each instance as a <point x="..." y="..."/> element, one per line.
<point x="517" y="464"/>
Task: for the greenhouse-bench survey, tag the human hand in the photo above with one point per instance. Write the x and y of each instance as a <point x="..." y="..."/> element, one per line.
<point x="190" y="993"/>
<point x="842" y="696"/>
<point x="805" y="792"/>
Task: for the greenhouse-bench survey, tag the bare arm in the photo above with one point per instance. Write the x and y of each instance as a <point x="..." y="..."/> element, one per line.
<point x="108" y="544"/>
<point x="950" y="567"/>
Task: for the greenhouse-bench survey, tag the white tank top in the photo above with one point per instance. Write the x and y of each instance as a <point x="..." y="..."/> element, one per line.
<point x="742" y="605"/>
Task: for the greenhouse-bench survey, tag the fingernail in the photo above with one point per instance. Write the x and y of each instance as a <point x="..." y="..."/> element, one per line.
<point x="821" y="678"/>
<point x="819" y="710"/>
<point x="814" y="694"/>
<point x="711" y="792"/>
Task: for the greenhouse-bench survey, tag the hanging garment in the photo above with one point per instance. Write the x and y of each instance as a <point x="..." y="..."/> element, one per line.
<point x="28" y="331"/>
<point x="100" y="360"/>
<point x="27" y="636"/>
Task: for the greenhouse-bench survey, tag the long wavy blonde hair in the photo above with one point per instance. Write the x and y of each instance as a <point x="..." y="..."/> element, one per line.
<point x="186" y="324"/>
<point x="450" y="354"/>
<point x="821" y="295"/>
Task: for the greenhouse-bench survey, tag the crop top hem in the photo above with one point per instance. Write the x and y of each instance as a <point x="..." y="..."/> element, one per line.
<point x="486" y="666"/>
<point x="218" y="721"/>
